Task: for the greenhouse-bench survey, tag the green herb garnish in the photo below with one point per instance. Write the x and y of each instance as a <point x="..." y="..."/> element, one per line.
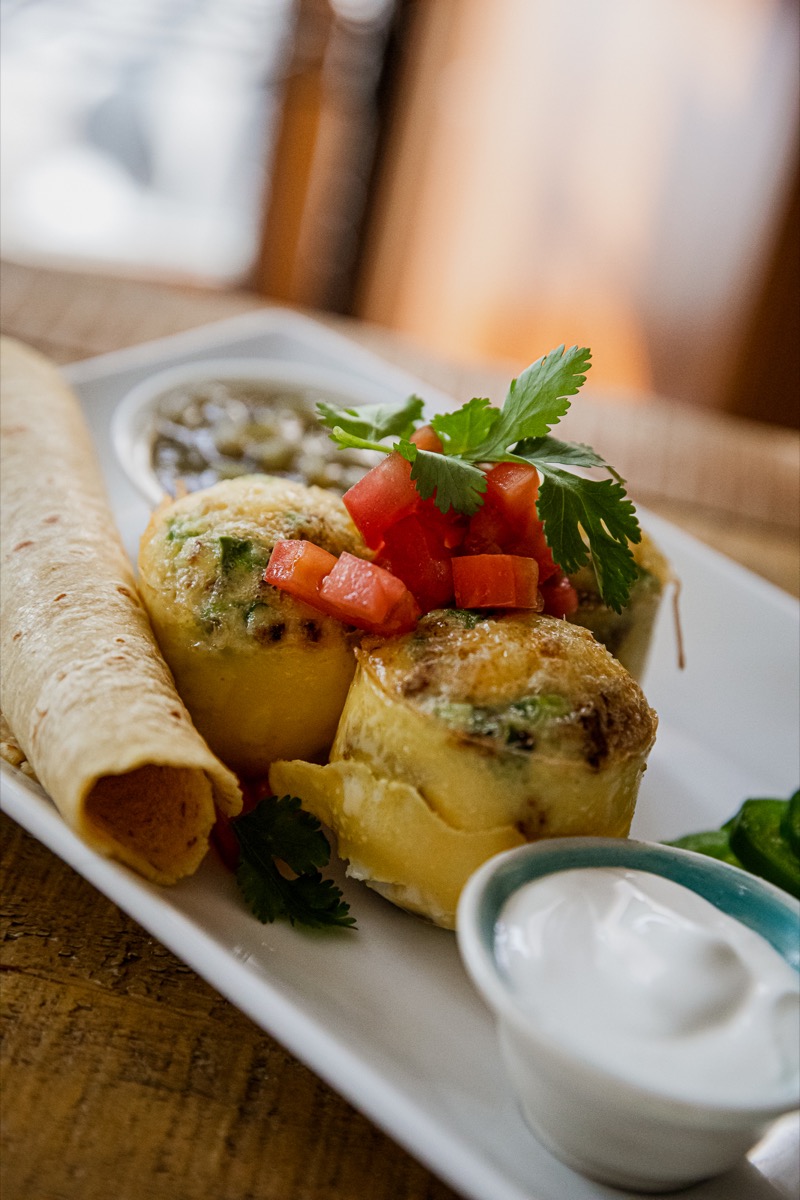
<point x="581" y="517"/>
<point x="279" y="829"/>
<point x="368" y="423"/>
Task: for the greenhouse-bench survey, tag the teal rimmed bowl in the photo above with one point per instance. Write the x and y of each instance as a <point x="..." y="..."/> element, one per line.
<point x="600" y="1123"/>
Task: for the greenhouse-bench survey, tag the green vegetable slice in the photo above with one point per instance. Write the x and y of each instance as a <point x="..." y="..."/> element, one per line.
<point x="715" y="844"/>
<point x="757" y="838"/>
<point x="790" y="825"/>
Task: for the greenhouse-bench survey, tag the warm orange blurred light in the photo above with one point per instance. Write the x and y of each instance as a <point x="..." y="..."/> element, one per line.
<point x="619" y="354"/>
<point x="567" y="172"/>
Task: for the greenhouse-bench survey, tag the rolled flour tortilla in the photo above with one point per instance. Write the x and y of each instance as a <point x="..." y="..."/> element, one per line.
<point x="84" y="687"/>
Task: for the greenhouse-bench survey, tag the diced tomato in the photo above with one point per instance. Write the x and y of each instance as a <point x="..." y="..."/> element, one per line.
<point x="299" y="567"/>
<point x="426" y="438"/>
<point x="534" y="544"/>
<point x="384" y="495"/>
<point x="496" y="581"/>
<point x="508" y="513"/>
<point x="360" y="588"/>
<point x="368" y="596"/>
<point x="488" y="531"/>
<point x="511" y="493"/>
<point x="451" y="527"/>
<point x="560" y="597"/>
<point x="348" y="588"/>
<point x="415" y="552"/>
<point x="402" y="618"/>
<point x="512" y="488"/>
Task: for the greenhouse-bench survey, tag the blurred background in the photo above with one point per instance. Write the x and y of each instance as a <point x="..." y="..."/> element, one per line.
<point x="489" y="177"/>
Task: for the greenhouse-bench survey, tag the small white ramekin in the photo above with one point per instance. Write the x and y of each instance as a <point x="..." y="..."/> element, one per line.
<point x="599" y="1123"/>
<point x="132" y="422"/>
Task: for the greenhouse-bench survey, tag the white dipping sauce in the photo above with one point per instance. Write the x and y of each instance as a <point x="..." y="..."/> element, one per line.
<point x="650" y="981"/>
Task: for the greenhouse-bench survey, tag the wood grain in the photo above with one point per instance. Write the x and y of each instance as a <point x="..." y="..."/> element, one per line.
<point x="124" y="1074"/>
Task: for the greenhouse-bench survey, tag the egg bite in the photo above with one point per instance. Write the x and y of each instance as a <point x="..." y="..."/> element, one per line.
<point x="263" y="675"/>
<point x="627" y="634"/>
<point x="469" y="736"/>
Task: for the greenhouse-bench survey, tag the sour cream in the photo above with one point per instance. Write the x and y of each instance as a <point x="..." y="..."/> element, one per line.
<point x="649" y="981"/>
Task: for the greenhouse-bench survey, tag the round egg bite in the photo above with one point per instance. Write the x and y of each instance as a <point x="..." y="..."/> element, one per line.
<point x="263" y="675"/>
<point x="469" y="736"/>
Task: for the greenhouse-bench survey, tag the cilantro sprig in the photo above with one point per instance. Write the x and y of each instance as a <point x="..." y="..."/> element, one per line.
<point x="536" y="401"/>
<point x="370" y="422"/>
<point x="582" y="517"/>
<point x="279" y="829"/>
<point x="454" y="482"/>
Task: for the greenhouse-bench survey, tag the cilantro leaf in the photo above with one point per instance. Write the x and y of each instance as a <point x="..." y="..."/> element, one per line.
<point x="568" y="504"/>
<point x="543" y="450"/>
<point x="307" y="900"/>
<point x="372" y="422"/>
<point x="280" y="829"/>
<point x="261" y="888"/>
<point x="295" y="835"/>
<point x="453" y="482"/>
<point x="536" y="400"/>
<point x="468" y="426"/>
<point x="351" y="441"/>
<point x="317" y="902"/>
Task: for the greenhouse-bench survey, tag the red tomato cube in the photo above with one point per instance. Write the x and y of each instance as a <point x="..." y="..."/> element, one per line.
<point x="426" y="438"/>
<point x="414" y="551"/>
<point x="489" y="531"/>
<point x="533" y="544"/>
<point x="384" y="495"/>
<point x="560" y="597"/>
<point x="507" y="513"/>
<point x="350" y="589"/>
<point x="403" y="616"/>
<point x="450" y="527"/>
<point x="299" y="567"/>
<point x="496" y="581"/>
<point x="512" y="488"/>
<point x="509" y="519"/>
<point x="361" y="592"/>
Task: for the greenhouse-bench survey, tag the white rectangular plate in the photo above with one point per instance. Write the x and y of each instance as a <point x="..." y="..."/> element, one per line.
<point x="387" y="1015"/>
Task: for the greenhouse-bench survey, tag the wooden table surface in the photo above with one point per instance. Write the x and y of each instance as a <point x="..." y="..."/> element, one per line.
<point x="124" y="1074"/>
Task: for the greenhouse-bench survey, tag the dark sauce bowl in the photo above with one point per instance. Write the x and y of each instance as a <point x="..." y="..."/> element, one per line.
<point x="190" y="426"/>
